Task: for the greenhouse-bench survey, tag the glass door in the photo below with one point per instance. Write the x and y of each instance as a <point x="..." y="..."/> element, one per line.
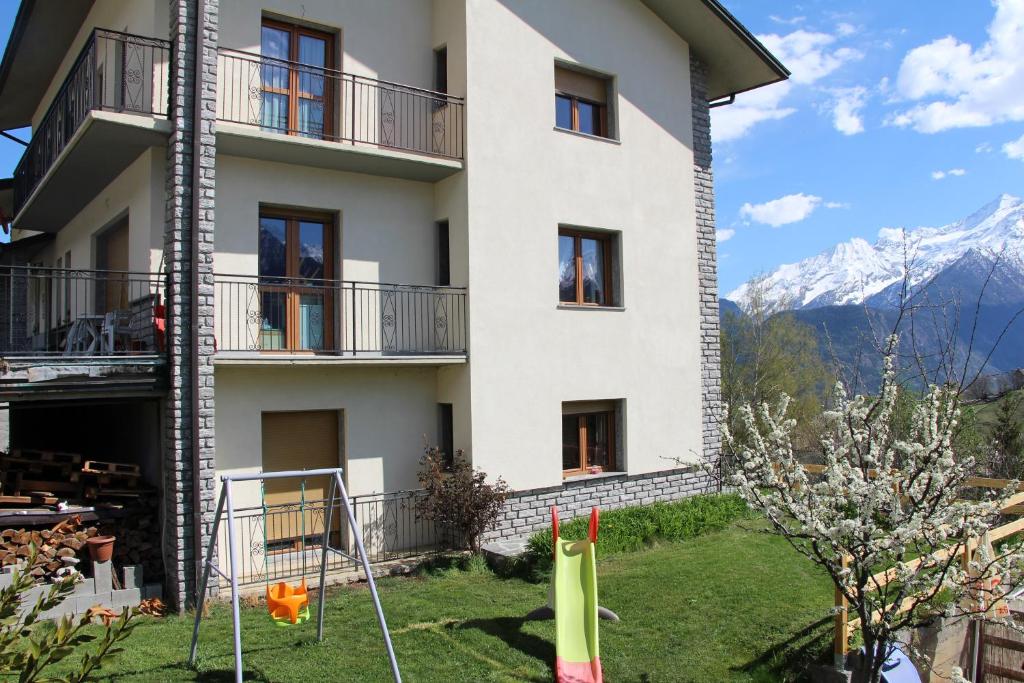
<point x="296" y="287"/>
<point x="296" y="87"/>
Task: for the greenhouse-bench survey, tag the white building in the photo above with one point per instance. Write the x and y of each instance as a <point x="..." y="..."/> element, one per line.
<point x="487" y="224"/>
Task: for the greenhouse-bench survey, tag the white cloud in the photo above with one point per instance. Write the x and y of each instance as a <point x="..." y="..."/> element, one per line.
<point x="1015" y="148"/>
<point x="724" y="235"/>
<point x="983" y="148"/>
<point x="793" y="21"/>
<point x="845" y="29"/>
<point x="846" y="108"/>
<point x="957" y="172"/>
<point x="836" y="205"/>
<point x="809" y="55"/>
<point x="958" y="85"/>
<point x="953" y="172"/>
<point x="938" y="175"/>
<point x="789" y="209"/>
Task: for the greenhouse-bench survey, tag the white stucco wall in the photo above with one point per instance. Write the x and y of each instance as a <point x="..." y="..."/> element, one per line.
<point x="387" y="413"/>
<point x="138" y="192"/>
<point x="524" y="179"/>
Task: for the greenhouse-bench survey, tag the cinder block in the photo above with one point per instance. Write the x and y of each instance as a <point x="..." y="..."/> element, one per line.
<point x="102" y="577"/>
<point x="128" y="597"/>
<point x="133" y="576"/>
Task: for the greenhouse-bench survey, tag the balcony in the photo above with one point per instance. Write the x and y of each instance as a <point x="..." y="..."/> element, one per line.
<point x="296" y="113"/>
<point x="111" y="107"/>
<point x="268" y="319"/>
<point x="80" y="329"/>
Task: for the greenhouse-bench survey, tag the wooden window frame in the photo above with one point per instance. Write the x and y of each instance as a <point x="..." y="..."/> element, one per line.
<point x="294" y="31"/>
<point x="584" y="468"/>
<point x="292" y="218"/>
<point x="602" y="111"/>
<point x="609" y="244"/>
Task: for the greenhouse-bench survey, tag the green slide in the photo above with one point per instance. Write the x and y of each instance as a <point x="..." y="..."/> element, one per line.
<point x="577" y="656"/>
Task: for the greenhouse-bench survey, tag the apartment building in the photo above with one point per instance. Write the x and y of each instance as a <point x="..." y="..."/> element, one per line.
<point x="328" y="231"/>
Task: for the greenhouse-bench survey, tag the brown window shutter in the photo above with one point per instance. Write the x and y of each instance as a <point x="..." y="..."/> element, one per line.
<point x="582" y="85"/>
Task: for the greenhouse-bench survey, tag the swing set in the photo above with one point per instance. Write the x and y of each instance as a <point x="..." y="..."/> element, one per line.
<point x="287" y="604"/>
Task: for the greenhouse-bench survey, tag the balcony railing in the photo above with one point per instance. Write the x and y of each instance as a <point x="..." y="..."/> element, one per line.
<point x="114" y="72"/>
<point x="295" y="315"/>
<point x="283" y="541"/>
<point x="324" y="104"/>
<point x="81" y="313"/>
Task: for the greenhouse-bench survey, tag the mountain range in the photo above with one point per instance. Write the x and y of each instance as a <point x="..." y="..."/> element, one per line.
<point x="965" y="281"/>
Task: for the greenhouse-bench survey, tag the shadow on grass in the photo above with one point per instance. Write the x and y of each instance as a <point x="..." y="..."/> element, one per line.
<point x="182" y="672"/>
<point x="789" y="659"/>
<point x="510" y="631"/>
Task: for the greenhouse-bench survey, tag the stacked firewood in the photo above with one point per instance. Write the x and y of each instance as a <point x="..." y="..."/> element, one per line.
<point x="56" y="548"/>
<point x="138" y="538"/>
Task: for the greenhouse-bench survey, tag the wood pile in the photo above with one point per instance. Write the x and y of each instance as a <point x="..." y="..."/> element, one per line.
<point x="138" y="538"/>
<point x="56" y="547"/>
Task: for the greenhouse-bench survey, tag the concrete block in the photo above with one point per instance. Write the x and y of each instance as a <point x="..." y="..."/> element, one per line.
<point x="133" y="576"/>
<point x="127" y="597"/>
<point x="102" y="577"/>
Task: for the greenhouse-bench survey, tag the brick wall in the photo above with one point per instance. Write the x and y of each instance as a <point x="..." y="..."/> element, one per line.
<point x="179" y="555"/>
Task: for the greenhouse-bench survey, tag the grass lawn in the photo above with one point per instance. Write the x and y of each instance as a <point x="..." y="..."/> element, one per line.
<point x="735" y="605"/>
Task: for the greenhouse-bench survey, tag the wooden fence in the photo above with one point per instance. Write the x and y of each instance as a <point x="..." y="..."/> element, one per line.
<point x="845" y="627"/>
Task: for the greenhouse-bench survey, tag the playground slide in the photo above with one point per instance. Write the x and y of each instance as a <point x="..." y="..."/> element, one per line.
<point x="577" y="659"/>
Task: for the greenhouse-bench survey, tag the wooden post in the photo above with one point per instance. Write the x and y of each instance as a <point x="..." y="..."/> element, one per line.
<point x="841" y="645"/>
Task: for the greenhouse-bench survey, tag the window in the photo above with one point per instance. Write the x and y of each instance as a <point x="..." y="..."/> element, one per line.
<point x="446" y="433"/>
<point x="296" y="265"/>
<point x="296" y="99"/>
<point x="585" y="268"/>
<point x="444" y="268"/>
<point x="588" y="442"/>
<point x="581" y="102"/>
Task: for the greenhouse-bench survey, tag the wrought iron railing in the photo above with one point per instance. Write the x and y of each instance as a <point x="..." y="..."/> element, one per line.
<point x="314" y="102"/>
<point x="76" y="313"/>
<point x="284" y="541"/>
<point x="113" y="72"/>
<point x="285" y="315"/>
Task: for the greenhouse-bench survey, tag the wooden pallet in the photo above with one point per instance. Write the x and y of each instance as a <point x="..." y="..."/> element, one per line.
<point x="118" y="468"/>
<point x="47" y="456"/>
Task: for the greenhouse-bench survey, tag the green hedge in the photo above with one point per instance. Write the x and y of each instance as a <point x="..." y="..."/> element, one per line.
<point x="635" y="528"/>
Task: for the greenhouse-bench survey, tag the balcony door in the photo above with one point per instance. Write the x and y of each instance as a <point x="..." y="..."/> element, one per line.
<point x="296" y="288"/>
<point x="297" y="93"/>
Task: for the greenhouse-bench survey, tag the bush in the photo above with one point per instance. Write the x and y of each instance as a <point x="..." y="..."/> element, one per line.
<point x="458" y="497"/>
<point x="635" y="528"/>
<point x="28" y="646"/>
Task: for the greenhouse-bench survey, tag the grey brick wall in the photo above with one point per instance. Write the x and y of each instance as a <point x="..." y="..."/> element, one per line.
<point x="707" y="259"/>
<point x="530" y="510"/>
<point x="179" y="555"/>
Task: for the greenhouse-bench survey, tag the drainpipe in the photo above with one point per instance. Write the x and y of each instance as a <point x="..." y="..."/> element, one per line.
<point x="197" y="108"/>
<point x="725" y="101"/>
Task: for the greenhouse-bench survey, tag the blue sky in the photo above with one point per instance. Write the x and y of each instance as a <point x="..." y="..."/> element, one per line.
<point x="885" y="98"/>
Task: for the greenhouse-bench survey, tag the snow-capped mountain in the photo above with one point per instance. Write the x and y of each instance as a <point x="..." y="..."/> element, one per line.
<point x="959" y="255"/>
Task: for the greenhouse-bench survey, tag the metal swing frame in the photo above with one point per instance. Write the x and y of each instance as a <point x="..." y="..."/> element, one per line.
<point x="225" y="504"/>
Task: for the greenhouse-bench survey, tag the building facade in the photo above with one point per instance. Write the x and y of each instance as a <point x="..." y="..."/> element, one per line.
<point x="254" y="236"/>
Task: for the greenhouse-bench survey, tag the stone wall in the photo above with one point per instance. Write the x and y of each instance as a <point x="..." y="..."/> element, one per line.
<point x="707" y="259"/>
<point x="528" y="511"/>
<point x="179" y="555"/>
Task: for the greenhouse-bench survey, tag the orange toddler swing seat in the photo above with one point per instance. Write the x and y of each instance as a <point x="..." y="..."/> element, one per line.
<point x="288" y="604"/>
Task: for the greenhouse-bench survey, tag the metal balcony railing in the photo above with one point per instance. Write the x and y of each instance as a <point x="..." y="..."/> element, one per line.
<point x="324" y="104"/>
<point x="283" y="541"/>
<point x="114" y="72"/>
<point x="296" y="315"/>
<point x="81" y="313"/>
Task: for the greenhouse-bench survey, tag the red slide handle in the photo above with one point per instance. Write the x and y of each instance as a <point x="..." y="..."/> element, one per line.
<point x="554" y="531"/>
<point x="594" y="516"/>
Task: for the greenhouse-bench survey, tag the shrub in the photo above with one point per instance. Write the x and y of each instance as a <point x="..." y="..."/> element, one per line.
<point x="458" y="497"/>
<point x="28" y="646"/>
<point x="635" y="528"/>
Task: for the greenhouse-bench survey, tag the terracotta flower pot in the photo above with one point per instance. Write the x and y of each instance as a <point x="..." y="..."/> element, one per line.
<point x="101" y="548"/>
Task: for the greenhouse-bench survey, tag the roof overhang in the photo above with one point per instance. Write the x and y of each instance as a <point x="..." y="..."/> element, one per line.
<point x="736" y="60"/>
<point x="41" y="37"/>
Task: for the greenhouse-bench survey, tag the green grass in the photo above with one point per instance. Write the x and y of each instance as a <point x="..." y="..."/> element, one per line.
<point x="636" y="528"/>
<point x="736" y="605"/>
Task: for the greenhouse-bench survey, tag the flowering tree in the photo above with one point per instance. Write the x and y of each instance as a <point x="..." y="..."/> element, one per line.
<point x="890" y="517"/>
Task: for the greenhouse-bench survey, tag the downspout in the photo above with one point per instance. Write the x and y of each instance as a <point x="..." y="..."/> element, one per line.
<point x="197" y="108"/>
<point x="725" y="101"/>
